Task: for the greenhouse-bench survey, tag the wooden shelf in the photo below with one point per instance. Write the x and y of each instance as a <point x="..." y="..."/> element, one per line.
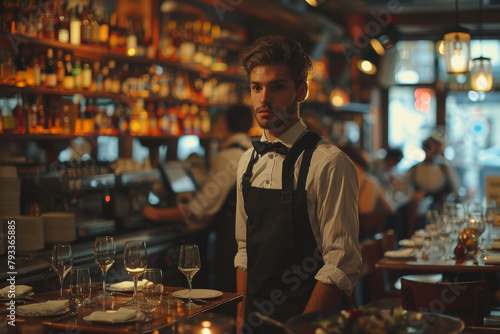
<point x="101" y="53"/>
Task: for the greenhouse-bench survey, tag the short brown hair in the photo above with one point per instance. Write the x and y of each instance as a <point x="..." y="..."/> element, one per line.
<point x="271" y="50"/>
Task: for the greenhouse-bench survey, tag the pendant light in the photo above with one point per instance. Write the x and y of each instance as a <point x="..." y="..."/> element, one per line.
<point x="457" y="48"/>
<point x="481" y="72"/>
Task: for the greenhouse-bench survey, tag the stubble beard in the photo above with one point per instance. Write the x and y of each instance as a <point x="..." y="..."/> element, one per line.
<point x="280" y="119"/>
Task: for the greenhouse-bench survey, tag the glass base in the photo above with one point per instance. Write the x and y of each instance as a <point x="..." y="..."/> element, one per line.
<point x="104" y="296"/>
<point x="191" y="305"/>
<point x="133" y="302"/>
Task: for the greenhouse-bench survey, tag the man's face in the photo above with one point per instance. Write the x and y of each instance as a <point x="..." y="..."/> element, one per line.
<point x="274" y="97"/>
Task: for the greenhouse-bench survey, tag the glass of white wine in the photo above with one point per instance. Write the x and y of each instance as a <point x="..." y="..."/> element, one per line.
<point x="61" y="263"/>
<point x="104" y="257"/>
<point x="135" y="261"/>
<point x="189" y="264"/>
<point x="80" y="286"/>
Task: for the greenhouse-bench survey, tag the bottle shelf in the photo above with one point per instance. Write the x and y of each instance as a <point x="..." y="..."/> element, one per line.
<point x="101" y="53"/>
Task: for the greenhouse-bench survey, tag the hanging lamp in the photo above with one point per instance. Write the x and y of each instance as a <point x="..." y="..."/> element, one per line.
<point x="481" y="72"/>
<point x="457" y="48"/>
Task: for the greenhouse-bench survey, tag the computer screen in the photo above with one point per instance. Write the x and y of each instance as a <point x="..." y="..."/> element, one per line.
<point x="178" y="178"/>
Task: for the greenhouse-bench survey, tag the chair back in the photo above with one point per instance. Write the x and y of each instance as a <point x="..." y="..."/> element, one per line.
<point x="388" y="240"/>
<point x="371" y="224"/>
<point x="467" y="300"/>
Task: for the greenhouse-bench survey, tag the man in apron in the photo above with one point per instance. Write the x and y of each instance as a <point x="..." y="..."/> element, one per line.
<point x="297" y="199"/>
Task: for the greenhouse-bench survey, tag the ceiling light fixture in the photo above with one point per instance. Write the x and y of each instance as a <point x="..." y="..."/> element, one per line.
<point x="387" y="38"/>
<point x="315" y="3"/>
<point x="368" y="61"/>
<point x="481" y="72"/>
<point x="457" y="48"/>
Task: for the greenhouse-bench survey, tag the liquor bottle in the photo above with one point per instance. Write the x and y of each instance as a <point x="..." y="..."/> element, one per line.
<point x="116" y="85"/>
<point x="19" y="116"/>
<point x="8" y="122"/>
<point x="50" y="70"/>
<point x="131" y="38"/>
<point x="86" y="76"/>
<point x="106" y="79"/>
<point x="175" y="128"/>
<point x="55" y="126"/>
<point x="66" y="120"/>
<point x="48" y="29"/>
<point x="103" y="33"/>
<point x="77" y="73"/>
<point x="86" y="28"/>
<point x="20" y="68"/>
<point x="8" y="70"/>
<point x="32" y="118"/>
<point x="33" y="73"/>
<point x="122" y="125"/>
<point x="63" y="24"/>
<point x="69" y="79"/>
<point x="60" y="69"/>
<point x="163" y="119"/>
<point x="97" y="79"/>
<point x="75" y="26"/>
<point x="153" y="120"/>
<point x="114" y="31"/>
<point x="41" y="120"/>
<point x="88" y="120"/>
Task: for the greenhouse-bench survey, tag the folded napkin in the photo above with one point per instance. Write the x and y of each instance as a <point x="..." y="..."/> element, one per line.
<point x="20" y="290"/>
<point x="492" y="258"/>
<point x="414" y="242"/>
<point x="125" y="286"/>
<point x="402" y="252"/>
<point x="50" y="307"/>
<point x="121" y="315"/>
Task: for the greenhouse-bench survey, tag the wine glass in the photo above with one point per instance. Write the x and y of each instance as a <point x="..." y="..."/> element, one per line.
<point x="189" y="264"/>
<point x="80" y="286"/>
<point x="61" y="263"/>
<point x="104" y="257"/>
<point x="489" y="217"/>
<point x="135" y="261"/>
<point x="444" y="229"/>
<point x="477" y="226"/>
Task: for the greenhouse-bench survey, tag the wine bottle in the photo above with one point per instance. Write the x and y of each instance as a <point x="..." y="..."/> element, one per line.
<point x="20" y="68"/>
<point x="50" y="70"/>
<point x="86" y="76"/>
<point x="103" y="34"/>
<point x="75" y="26"/>
<point x="77" y="73"/>
<point x="63" y="24"/>
<point x="60" y="69"/>
<point x="69" y="79"/>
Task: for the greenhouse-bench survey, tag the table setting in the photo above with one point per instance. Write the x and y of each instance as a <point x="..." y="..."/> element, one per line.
<point x="144" y="300"/>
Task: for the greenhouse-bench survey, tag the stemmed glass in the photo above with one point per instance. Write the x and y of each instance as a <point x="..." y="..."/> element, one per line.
<point x="61" y="263"/>
<point x="489" y="217"/>
<point x="189" y="264"/>
<point x="104" y="257"/>
<point x="80" y="286"/>
<point x="135" y="261"/>
<point x="477" y="226"/>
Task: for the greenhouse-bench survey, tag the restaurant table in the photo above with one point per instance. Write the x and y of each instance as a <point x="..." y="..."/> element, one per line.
<point x="467" y="265"/>
<point x="163" y="319"/>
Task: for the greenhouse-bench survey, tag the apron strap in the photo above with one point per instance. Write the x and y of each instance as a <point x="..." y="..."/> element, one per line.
<point x="308" y="140"/>
<point x="247" y="176"/>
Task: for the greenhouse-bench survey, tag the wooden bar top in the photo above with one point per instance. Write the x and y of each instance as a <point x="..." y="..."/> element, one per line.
<point x="162" y="318"/>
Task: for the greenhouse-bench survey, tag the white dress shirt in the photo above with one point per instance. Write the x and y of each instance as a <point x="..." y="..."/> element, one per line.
<point x="221" y="178"/>
<point x="332" y="205"/>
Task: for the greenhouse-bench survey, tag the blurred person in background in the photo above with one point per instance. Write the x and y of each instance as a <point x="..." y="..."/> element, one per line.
<point x="219" y="205"/>
<point x="433" y="181"/>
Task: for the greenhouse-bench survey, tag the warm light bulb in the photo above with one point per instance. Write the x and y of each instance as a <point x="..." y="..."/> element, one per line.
<point x="366" y="66"/>
<point x="457" y="61"/>
<point x="481" y="81"/>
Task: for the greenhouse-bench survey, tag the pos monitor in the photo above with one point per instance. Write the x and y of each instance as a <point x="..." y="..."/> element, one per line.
<point x="179" y="183"/>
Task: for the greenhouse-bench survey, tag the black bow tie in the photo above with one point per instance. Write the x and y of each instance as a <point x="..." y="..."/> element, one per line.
<point x="263" y="147"/>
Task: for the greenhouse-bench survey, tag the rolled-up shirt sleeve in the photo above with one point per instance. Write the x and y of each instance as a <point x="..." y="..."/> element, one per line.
<point x="333" y="194"/>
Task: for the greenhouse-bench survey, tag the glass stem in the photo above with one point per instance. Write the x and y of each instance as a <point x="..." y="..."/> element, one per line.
<point x="135" y="288"/>
<point x="61" y="280"/>
<point x="190" y="283"/>
<point x="103" y="283"/>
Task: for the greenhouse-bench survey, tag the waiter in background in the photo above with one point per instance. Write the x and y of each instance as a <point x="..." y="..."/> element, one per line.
<point x="297" y="199"/>
<point x="216" y="202"/>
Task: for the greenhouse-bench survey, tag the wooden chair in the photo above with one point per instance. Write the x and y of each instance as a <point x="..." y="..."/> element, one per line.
<point x="388" y="241"/>
<point x="370" y="283"/>
<point x="467" y="300"/>
<point x="371" y="224"/>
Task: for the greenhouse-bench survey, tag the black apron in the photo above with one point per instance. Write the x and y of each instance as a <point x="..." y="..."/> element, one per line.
<point x="282" y="261"/>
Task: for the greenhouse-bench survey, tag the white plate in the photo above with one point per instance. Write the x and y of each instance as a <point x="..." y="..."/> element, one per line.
<point x="197" y="294"/>
<point x="64" y="310"/>
<point x="432" y="278"/>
